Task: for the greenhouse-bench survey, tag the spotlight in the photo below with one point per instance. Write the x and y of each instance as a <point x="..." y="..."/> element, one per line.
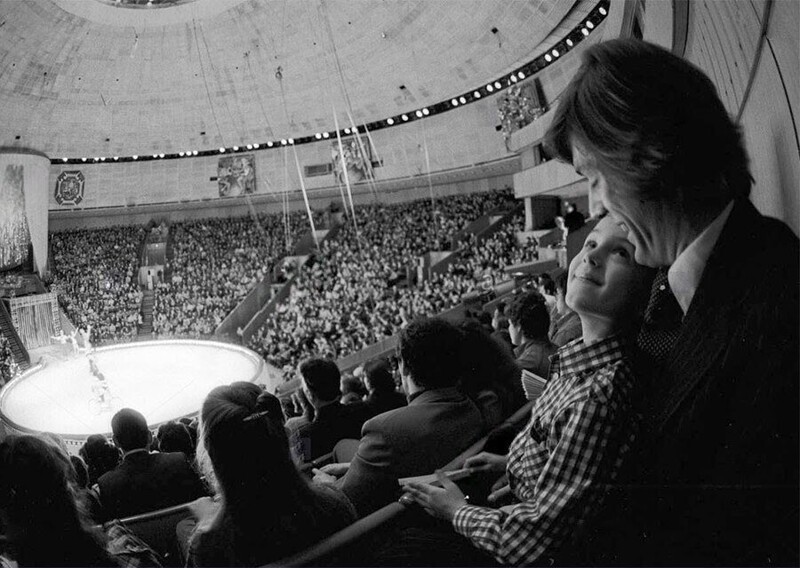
<point x="521" y="75"/>
<point x="555" y="53"/>
<point x="419" y="114"/>
<point x="513" y="78"/>
<point x="548" y="58"/>
<point x="462" y="100"/>
<point x="256" y="145"/>
<point x="425" y="111"/>
<point x="497" y="85"/>
<point x="116" y="158"/>
<point x="269" y="143"/>
<point x="489" y="88"/>
<point x="194" y="152"/>
<point x="103" y="159"/>
<point x="347" y="131"/>
<point x="291" y="140"/>
<point x="161" y="155"/>
<point x="83" y="159"/>
<point x="283" y="141"/>
<point x="180" y="153"/>
<point x="389" y="121"/>
<point x="454" y="102"/>
<point x="603" y="11"/>
<point x="589" y="25"/>
<point x="154" y="155"/>
<point x="404" y="117"/>
<point x="326" y="135"/>
<point x="236" y="148"/>
<point x="569" y="42"/>
<point x="584" y="31"/>
<point x="135" y="157"/>
<point x="476" y="94"/>
<point x="249" y="146"/>
<point x="222" y="150"/>
<point x="63" y="159"/>
<point x="318" y="136"/>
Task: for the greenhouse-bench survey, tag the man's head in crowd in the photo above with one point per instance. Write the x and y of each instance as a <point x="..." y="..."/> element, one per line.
<point x="321" y="381"/>
<point x="661" y="153"/>
<point x="174" y="437"/>
<point x="378" y="376"/>
<point x="429" y="352"/>
<point x="130" y="430"/>
<point x="607" y="287"/>
<point x="528" y="318"/>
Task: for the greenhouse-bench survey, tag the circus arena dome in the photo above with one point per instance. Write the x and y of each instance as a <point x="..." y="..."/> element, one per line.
<point x="165" y="380"/>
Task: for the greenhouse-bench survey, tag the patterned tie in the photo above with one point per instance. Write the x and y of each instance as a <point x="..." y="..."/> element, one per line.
<point x="662" y="321"/>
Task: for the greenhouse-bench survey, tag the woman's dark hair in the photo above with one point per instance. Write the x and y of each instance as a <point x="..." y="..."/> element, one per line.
<point x="652" y="123"/>
<point x="174" y="437"/>
<point x="529" y="311"/>
<point x="100" y="456"/>
<point x="45" y="526"/>
<point x="429" y="349"/>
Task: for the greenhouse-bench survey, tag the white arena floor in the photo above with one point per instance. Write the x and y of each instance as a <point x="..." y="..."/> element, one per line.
<point x="163" y="380"/>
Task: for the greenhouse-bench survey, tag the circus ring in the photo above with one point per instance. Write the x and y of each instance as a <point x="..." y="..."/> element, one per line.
<point x="164" y="380"/>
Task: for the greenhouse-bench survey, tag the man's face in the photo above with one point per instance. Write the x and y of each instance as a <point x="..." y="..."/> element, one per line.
<point x="642" y="221"/>
<point x="604" y="279"/>
<point x="515" y="333"/>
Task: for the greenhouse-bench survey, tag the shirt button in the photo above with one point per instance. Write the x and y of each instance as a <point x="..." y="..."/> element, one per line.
<point x="662" y="287"/>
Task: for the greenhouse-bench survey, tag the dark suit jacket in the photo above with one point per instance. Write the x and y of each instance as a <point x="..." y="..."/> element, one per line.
<point x="331" y="423"/>
<point x="715" y="480"/>
<point x="146" y="482"/>
<point x="434" y="428"/>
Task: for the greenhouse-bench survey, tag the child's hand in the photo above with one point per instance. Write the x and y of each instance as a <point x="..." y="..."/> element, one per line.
<point x="485" y="461"/>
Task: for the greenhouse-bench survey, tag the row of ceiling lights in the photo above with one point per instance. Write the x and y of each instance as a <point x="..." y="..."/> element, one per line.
<point x="573" y="38"/>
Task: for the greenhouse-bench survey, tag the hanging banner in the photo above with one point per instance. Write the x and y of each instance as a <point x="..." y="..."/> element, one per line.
<point x="69" y="188"/>
<point x="236" y="175"/>
<point x="357" y="164"/>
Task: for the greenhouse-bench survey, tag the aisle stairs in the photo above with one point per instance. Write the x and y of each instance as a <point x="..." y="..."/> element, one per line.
<point x="146" y="309"/>
<point x="21" y="356"/>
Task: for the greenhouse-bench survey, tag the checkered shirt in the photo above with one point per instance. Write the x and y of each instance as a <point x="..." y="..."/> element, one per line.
<point x="561" y="464"/>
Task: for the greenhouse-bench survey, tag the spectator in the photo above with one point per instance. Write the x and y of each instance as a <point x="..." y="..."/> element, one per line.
<point x="383" y="394"/>
<point x="144" y="481"/>
<point x="528" y="322"/>
<point x="100" y="456"/>
<point x="565" y="325"/>
<point x="353" y="390"/>
<point x="573" y="219"/>
<point x="267" y="509"/>
<point x="174" y="437"/>
<point x="438" y="423"/>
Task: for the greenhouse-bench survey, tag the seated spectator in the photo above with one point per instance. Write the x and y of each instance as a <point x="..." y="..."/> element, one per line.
<point x="500" y="326"/>
<point x="528" y="322"/>
<point x="565" y="324"/>
<point x="353" y="390"/>
<point x="174" y="437"/>
<point x="41" y="520"/>
<point x="573" y="219"/>
<point x="383" y="394"/>
<point x="145" y="481"/>
<point x="438" y="424"/>
<point x="561" y="465"/>
<point x="333" y="420"/>
<point x="100" y="456"/>
<point x="266" y="510"/>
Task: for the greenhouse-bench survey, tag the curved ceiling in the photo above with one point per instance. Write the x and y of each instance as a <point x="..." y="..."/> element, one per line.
<point x="81" y="78"/>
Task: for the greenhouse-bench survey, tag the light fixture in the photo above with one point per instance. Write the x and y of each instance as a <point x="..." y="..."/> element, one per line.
<point x="249" y="146"/>
<point x="63" y="159"/>
<point x="269" y="143"/>
<point x="584" y="31"/>
<point x="318" y="136"/>
<point x="513" y="78"/>
<point x="548" y="58"/>
<point x="83" y="159"/>
<point x="102" y="158"/>
<point x="347" y="130"/>
<point x="521" y="75"/>
<point x="497" y="85"/>
<point x="236" y="148"/>
<point x="116" y="158"/>
<point x="425" y="111"/>
<point x="489" y="88"/>
<point x="589" y="25"/>
<point x="96" y="159"/>
<point x="454" y="102"/>
<point x="603" y="11"/>
<point x="194" y="152"/>
<point x="283" y="141"/>
<point x="291" y="140"/>
<point x="476" y="94"/>
<point x="255" y="145"/>
<point x="462" y="100"/>
<point x="135" y="157"/>
<point x="180" y="153"/>
<point x="404" y="117"/>
<point x="222" y="150"/>
<point x="154" y="155"/>
<point x="419" y="114"/>
<point x="161" y="155"/>
<point x="389" y="121"/>
<point x="555" y="53"/>
<point x="326" y="134"/>
<point x="569" y="42"/>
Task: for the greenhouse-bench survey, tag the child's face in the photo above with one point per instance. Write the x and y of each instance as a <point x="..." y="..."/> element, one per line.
<point x="604" y="278"/>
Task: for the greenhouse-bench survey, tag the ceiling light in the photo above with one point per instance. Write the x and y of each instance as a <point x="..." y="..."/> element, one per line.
<point x="426" y="112"/>
<point x="154" y="155"/>
<point x="103" y="159"/>
<point x="283" y="141"/>
<point x="256" y="145"/>
<point x="236" y="148"/>
<point x="326" y="134"/>
<point x="590" y="25"/>
<point x="419" y="114"/>
<point x="269" y="143"/>
<point x="555" y="53"/>
<point x="194" y="152"/>
<point x="462" y="100"/>
<point x="63" y="159"/>
<point x="454" y="102"/>
<point x="404" y="117"/>
<point x="83" y="159"/>
<point x="521" y="75"/>
<point x="249" y="146"/>
<point x="569" y="42"/>
<point x="291" y="140"/>
<point x="476" y="94"/>
<point x="513" y="78"/>
<point x="135" y="157"/>
<point x="347" y="131"/>
<point x="585" y="32"/>
<point x="489" y="88"/>
<point x="116" y="158"/>
<point x="389" y="121"/>
<point x="548" y="58"/>
<point x="497" y="85"/>
<point x="180" y="153"/>
<point x="161" y="155"/>
<point x="318" y="136"/>
<point x="222" y="150"/>
<point x="603" y="11"/>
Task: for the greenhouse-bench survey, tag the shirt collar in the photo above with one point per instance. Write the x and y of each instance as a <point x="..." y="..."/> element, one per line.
<point x="685" y="273"/>
<point x="136" y="451"/>
<point x="577" y="357"/>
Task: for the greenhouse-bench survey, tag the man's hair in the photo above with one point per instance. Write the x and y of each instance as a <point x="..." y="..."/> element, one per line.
<point x="529" y="312"/>
<point x="174" y="437"/>
<point x="653" y="124"/>
<point x="379" y="375"/>
<point x="322" y="377"/>
<point x="130" y="429"/>
<point x="429" y="350"/>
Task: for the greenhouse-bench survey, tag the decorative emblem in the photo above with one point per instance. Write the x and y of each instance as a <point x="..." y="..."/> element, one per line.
<point x="69" y="188"/>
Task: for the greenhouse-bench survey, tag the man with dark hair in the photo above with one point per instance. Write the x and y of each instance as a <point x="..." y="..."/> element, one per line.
<point x="333" y="421"/>
<point x="565" y="324"/>
<point x="383" y="395"/>
<point x="715" y="478"/>
<point x="438" y="424"/>
<point x="528" y="323"/>
<point x="144" y="481"/>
